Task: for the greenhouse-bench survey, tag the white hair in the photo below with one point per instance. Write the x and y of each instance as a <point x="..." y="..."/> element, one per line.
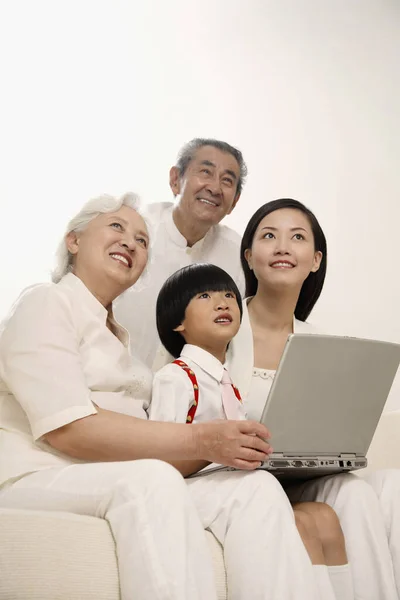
<point x="92" y="209"/>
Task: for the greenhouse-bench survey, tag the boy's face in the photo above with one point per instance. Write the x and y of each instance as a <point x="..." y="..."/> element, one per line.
<point x="211" y="320"/>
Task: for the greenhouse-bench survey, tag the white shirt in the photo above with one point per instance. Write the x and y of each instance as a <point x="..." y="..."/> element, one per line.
<point x="254" y="384"/>
<point x="58" y="359"/>
<point x="136" y="308"/>
<point x="173" y="392"/>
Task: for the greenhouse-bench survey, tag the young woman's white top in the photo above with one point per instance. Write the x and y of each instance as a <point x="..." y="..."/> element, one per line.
<point x="254" y="384"/>
<point x="58" y="361"/>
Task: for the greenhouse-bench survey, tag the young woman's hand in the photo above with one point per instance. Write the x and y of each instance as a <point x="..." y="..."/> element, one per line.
<point x="240" y="444"/>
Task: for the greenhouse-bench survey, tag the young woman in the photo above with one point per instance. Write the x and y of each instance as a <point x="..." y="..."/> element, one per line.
<point x="199" y="310"/>
<point x="74" y="435"/>
<point x="284" y="258"/>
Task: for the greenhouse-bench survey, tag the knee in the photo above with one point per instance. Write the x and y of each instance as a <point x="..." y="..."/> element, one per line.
<point x="306" y="525"/>
<point x="152" y="473"/>
<point x="327" y="524"/>
<point x="267" y="484"/>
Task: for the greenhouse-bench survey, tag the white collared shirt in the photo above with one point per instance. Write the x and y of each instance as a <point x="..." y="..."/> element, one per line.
<point x="173" y="392"/>
<point x="136" y="308"/>
<point x="254" y="384"/>
<point x="58" y="359"/>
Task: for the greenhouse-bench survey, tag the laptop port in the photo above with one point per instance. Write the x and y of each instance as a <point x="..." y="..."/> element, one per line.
<point x="341" y="463"/>
<point x="297" y="463"/>
<point x="311" y="463"/>
<point x="349" y="463"/>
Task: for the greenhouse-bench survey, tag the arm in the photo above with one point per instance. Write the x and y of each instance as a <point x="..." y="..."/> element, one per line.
<point x="41" y="364"/>
<point x="172" y="395"/>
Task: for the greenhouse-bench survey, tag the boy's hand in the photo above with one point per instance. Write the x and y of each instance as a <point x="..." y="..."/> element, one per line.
<point x="240" y="444"/>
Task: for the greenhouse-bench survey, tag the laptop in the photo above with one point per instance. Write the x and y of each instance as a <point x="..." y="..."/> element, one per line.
<point x="325" y="403"/>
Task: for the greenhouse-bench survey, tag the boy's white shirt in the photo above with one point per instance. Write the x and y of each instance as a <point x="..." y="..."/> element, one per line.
<point x="173" y="393"/>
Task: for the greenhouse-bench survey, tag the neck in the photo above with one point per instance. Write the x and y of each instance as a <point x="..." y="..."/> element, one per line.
<point x="103" y="291"/>
<point x="273" y="310"/>
<point x="192" y="230"/>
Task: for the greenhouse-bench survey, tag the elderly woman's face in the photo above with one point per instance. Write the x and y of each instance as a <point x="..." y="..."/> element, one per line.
<point x="113" y="247"/>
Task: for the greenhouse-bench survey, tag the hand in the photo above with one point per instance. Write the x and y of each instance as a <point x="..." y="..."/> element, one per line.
<point x="240" y="444"/>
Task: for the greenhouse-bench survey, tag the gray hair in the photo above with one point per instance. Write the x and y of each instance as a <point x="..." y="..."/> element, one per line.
<point x="92" y="209"/>
<point x="188" y="151"/>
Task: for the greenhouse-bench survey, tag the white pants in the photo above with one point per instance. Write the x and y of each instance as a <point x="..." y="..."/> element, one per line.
<point x="386" y="484"/>
<point x="161" y="547"/>
<point x="360" y="515"/>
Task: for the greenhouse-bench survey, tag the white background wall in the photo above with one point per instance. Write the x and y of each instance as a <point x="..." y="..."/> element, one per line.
<point x="98" y="96"/>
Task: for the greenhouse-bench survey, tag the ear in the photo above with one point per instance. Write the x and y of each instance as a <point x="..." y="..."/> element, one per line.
<point x="72" y="242"/>
<point x="247" y="255"/>
<point x="317" y="261"/>
<point x="180" y="328"/>
<point x="175" y="180"/>
<point x="234" y="203"/>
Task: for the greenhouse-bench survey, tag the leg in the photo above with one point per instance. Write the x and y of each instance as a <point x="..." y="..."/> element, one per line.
<point x="250" y="515"/>
<point x="161" y="548"/>
<point x="386" y="484"/>
<point x="363" y="527"/>
<point x="307" y="528"/>
<point x="331" y="539"/>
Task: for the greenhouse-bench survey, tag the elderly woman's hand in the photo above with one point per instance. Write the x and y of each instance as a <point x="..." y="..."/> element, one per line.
<point x="240" y="444"/>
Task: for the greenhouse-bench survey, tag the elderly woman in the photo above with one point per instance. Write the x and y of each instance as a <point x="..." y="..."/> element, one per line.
<point x="74" y="435"/>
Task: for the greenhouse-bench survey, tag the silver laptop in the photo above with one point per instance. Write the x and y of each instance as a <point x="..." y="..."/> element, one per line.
<point x="325" y="403"/>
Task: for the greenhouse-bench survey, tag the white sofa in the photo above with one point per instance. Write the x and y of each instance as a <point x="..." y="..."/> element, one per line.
<point x="60" y="556"/>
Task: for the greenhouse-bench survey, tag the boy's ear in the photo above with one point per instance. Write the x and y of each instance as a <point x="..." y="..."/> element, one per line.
<point x="180" y="328"/>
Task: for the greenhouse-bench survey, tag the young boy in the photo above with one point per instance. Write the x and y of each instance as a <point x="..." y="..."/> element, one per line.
<point x="199" y="310"/>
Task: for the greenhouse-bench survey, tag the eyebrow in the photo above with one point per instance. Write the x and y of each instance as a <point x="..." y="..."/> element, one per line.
<point x="208" y="163"/>
<point x="292" y="229"/>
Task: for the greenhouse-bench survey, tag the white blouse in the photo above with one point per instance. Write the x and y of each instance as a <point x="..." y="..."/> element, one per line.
<point x="58" y="361"/>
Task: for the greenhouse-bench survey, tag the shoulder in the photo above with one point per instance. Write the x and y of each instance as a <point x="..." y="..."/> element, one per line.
<point x="173" y="373"/>
<point x="39" y="298"/>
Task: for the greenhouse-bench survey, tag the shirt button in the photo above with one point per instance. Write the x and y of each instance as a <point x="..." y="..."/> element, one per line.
<point x="188" y="250"/>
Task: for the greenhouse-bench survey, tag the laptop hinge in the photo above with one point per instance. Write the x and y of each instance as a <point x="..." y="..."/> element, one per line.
<point x="346" y="455"/>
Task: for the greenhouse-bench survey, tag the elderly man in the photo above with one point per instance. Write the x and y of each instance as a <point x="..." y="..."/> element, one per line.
<point x="206" y="181"/>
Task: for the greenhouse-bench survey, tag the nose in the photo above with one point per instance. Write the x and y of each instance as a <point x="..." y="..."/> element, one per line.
<point x="281" y="246"/>
<point x="129" y="242"/>
<point x="222" y="303"/>
<point x="214" y="186"/>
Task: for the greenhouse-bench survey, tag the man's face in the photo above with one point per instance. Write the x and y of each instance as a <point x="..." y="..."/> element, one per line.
<point x="208" y="189"/>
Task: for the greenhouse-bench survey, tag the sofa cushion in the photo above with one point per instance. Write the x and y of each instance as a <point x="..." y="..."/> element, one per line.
<point x="60" y="556"/>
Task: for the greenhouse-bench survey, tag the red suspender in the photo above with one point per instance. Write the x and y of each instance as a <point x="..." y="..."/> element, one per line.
<point x="193" y="379"/>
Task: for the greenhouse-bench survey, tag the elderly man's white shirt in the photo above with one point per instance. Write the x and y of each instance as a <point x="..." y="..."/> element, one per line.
<point x="136" y="308"/>
<point x="173" y="392"/>
<point x="58" y="361"/>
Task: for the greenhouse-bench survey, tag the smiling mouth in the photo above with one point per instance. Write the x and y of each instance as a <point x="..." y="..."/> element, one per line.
<point x="122" y="258"/>
<point x="282" y="265"/>
<point x="209" y="202"/>
<point x="225" y="320"/>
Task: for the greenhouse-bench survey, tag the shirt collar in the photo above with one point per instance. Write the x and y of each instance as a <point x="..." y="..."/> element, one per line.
<point x="176" y="235"/>
<point x="204" y="360"/>
<point x="80" y="290"/>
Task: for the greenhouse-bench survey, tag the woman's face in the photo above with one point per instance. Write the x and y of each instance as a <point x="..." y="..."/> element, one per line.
<point x="283" y="253"/>
<point x="111" y="251"/>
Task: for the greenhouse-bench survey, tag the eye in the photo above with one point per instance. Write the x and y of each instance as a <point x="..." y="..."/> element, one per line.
<point x="142" y="242"/>
<point x="298" y="236"/>
<point x="206" y="171"/>
<point x="204" y="295"/>
<point x="230" y="295"/>
<point x="268" y="235"/>
<point x="117" y="225"/>
<point x="228" y="180"/>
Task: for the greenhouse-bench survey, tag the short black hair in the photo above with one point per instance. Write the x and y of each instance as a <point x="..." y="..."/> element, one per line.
<point x="187" y="153"/>
<point x="312" y="286"/>
<point x="176" y="293"/>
